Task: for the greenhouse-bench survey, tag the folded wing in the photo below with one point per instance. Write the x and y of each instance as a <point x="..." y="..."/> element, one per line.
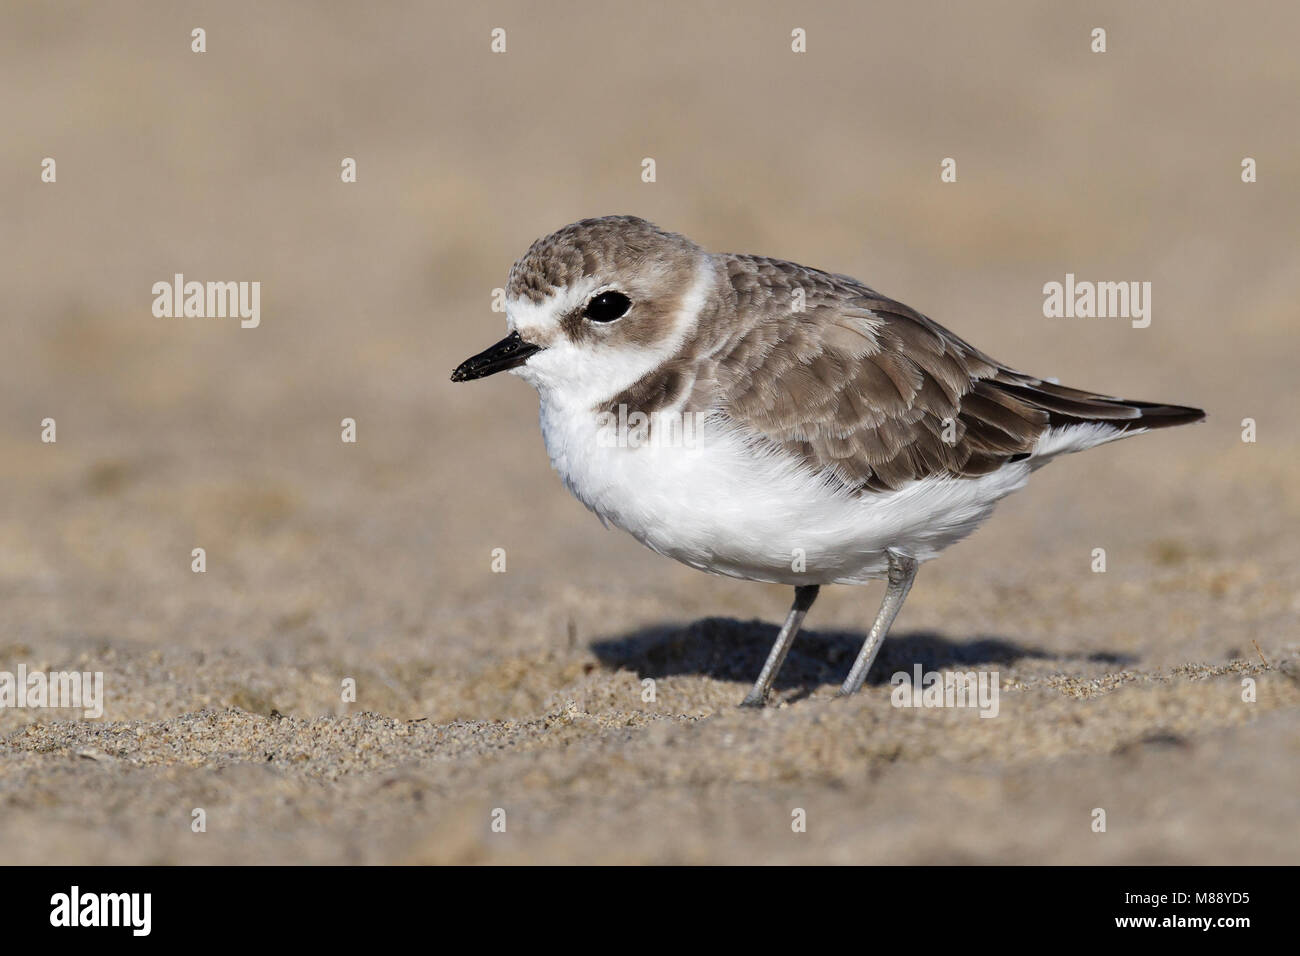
<point x="874" y="395"/>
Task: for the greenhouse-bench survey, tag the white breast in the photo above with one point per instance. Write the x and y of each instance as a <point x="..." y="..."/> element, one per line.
<point x="725" y="506"/>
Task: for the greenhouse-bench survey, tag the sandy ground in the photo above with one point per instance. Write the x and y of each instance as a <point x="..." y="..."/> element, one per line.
<point x="523" y="691"/>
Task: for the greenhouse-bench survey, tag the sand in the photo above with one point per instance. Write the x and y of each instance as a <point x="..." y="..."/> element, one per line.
<point x="518" y="698"/>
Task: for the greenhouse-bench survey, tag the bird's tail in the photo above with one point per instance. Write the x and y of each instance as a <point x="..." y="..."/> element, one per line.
<point x="1077" y="419"/>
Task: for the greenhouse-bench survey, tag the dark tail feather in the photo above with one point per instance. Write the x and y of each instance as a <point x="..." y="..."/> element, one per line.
<point x="1071" y="406"/>
<point x="1152" y="415"/>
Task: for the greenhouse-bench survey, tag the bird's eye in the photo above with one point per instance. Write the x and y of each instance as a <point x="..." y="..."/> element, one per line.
<point x="608" y="306"/>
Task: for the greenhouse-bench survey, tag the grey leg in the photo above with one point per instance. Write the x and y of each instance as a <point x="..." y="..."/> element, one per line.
<point x="803" y="600"/>
<point x="902" y="571"/>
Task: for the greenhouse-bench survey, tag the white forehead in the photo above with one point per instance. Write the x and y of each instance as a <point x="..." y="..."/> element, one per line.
<point x="524" y="315"/>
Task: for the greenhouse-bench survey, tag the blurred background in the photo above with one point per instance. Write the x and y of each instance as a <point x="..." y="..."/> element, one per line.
<point x="374" y="560"/>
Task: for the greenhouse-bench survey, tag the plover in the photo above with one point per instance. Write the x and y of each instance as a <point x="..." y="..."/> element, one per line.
<point x="842" y="436"/>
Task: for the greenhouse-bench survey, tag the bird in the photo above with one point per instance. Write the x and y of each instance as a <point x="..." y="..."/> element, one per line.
<point x="756" y="418"/>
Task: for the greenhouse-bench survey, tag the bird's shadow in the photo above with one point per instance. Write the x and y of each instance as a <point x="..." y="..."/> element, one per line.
<point x="727" y="649"/>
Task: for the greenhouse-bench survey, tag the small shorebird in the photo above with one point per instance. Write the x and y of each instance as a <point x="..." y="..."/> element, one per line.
<point x="772" y="422"/>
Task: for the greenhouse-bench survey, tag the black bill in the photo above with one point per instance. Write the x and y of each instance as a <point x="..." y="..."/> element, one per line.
<point x="510" y="352"/>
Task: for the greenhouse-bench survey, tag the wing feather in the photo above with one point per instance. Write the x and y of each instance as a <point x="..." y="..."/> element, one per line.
<point x="874" y="394"/>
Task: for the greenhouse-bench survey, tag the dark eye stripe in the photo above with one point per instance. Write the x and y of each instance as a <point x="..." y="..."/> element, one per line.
<point x="607" y="307"/>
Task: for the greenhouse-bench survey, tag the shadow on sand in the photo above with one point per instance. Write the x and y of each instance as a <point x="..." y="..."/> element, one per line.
<point x="727" y="649"/>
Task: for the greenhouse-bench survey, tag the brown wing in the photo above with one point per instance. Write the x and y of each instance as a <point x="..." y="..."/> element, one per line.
<point x="874" y="394"/>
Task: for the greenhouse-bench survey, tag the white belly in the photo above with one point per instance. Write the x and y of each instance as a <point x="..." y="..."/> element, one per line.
<point x="720" y="507"/>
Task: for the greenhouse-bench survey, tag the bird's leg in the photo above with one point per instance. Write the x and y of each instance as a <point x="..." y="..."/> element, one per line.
<point x="902" y="571"/>
<point x="803" y="600"/>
